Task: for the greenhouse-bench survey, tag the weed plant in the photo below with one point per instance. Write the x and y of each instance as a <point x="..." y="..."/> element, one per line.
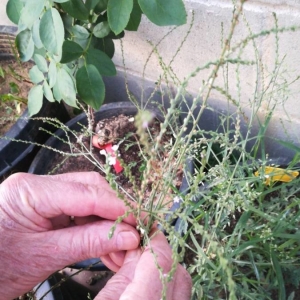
<point x="12" y="100"/>
<point x="237" y="236"/>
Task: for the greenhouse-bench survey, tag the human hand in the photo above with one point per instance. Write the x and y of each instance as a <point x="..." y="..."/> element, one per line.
<point x="37" y="238"/>
<point x="139" y="277"/>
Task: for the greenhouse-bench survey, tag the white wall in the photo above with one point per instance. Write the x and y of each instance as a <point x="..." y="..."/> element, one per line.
<point x="203" y="45"/>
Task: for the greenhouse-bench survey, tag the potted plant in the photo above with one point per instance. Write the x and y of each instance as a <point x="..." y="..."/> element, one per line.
<point x="71" y="42"/>
<point x="131" y="154"/>
<point x="226" y="221"/>
<point x="15" y="125"/>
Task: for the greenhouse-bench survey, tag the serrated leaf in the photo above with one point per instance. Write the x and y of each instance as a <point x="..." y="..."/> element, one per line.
<point x="101" y="30"/>
<point x="66" y="87"/>
<point x="135" y="17"/>
<point x="76" y="9"/>
<point x="35" y="100"/>
<point x="71" y="51"/>
<point x="101" y="61"/>
<point x="47" y="91"/>
<point x="36" y="76"/>
<point x="164" y="12"/>
<point x="52" y="74"/>
<point x="41" y="62"/>
<point x="13" y="10"/>
<point x="25" y="45"/>
<point x="90" y="86"/>
<point x="31" y="12"/>
<point x="52" y="31"/>
<point x="36" y="34"/>
<point x="118" y="13"/>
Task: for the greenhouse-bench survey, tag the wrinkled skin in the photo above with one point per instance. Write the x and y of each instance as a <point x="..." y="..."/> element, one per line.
<point x="38" y="238"/>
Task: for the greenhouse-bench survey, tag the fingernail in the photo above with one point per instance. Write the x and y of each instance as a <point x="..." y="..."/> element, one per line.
<point x="127" y="240"/>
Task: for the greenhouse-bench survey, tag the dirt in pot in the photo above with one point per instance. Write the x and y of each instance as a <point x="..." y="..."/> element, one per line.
<point x="121" y="131"/>
<point x="14" y="88"/>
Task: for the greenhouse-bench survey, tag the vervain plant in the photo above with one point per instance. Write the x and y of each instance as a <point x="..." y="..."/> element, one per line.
<point x="71" y="42"/>
<point x="237" y="225"/>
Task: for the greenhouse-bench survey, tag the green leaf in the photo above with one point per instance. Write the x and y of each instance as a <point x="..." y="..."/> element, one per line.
<point x="164" y="12"/>
<point x="118" y="14"/>
<point x="91" y="4"/>
<point x="60" y="1"/>
<point x="14" y="88"/>
<point x="13" y="10"/>
<point x="101" y="6"/>
<point x="106" y="45"/>
<point x="36" y="76"/>
<point x="52" y="74"/>
<point x="35" y="100"/>
<point x="90" y="86"/>
<point x="76" y="9"/>
<point x="101" y="61"/>
<point x="40" y="51"/>
<point x="56" y="92"/>
<point x="101" y="30"/>
<point x="36" y="34"/>
<point x="41" y="62"/>
<point x="31" y="12"/>
<point x="80" y="35"/>
<point x="47" y="91"/>
<point x="25" y="45"/>
<point x="279" y="276"/>
<point x="67" y="21"/>
<point x="71" y="51"/>
<point x="2" y="73"/>
<point x="80" y="32"/>
<point x="52" y="31"/>
<point x="135" y="17"/>
<point x="66" y="87"/>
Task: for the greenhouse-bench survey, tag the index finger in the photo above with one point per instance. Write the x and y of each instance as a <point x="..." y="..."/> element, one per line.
<point x="75" y="194"/>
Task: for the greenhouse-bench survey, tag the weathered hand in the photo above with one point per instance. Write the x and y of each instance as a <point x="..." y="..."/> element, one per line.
<point x="37" y="238"/>
<point x="139" y="278"/>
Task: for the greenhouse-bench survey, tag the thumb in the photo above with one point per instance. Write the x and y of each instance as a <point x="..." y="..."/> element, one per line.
<point x="69" y="245"/>
<point x="118" y="283"/>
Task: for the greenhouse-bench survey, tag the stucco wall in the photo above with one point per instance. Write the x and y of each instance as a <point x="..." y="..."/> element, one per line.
<point x="204" y="44"/>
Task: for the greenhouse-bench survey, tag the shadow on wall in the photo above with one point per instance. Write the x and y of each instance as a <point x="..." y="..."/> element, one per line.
<point x="211" y="119"/>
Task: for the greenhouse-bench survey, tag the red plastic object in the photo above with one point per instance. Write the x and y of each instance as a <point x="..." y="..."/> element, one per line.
<point x="109" y="150"/>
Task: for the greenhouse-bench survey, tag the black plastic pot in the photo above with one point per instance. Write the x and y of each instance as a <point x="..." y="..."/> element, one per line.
<point x="41" y="163"/>
<point x="44" y="290"/>
<point x="16" y="156"/>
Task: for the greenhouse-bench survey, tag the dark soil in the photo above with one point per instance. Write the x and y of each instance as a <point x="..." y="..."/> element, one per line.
<point x="120" y="130"/>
